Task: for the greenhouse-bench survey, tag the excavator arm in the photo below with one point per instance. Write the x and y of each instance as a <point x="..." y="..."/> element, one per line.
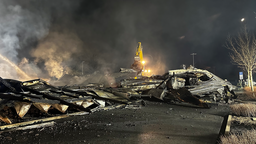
<point x="139" y="64"/>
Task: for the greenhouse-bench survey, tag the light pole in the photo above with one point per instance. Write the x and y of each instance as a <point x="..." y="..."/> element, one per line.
<point x="193" y="54"/>
<point x="82" y="67"/>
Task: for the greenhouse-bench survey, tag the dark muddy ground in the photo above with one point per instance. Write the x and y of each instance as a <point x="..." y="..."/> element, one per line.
<point x="155" y="123"/>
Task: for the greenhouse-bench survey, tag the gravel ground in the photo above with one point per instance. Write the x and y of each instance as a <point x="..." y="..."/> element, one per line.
<point x="155" y="123"/>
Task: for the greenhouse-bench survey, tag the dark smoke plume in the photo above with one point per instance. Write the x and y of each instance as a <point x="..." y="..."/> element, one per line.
<point x="103" y="35"/>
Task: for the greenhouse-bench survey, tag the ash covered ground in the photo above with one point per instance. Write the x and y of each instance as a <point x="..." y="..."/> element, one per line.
<point x="156" y="122"/>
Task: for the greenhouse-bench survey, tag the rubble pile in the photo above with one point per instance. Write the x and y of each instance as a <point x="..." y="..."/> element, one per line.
<point x="204" y="84"/>
<point x="37" y="96"/>
<point x="28" y="100"/>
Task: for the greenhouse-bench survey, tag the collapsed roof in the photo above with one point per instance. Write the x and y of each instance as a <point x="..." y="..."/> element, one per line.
<point x="37" y="98"/>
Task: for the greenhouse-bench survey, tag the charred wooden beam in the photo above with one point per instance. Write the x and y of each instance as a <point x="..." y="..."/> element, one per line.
<point x="57" y="98"/>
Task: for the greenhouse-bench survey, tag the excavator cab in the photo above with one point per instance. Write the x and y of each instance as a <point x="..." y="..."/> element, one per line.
<point x="139" y="64"/>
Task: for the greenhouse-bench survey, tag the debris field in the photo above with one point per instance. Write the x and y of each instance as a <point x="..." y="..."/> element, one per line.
<point x="36" y="99"/>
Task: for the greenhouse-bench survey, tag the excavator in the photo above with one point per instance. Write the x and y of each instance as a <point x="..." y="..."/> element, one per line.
<point x="139" y="64"/>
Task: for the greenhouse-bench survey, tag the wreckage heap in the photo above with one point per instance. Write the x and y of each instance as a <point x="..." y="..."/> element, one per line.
<point x="23" y="101"/>
<point x="39" y="97"/>
<point x="202" y="83"/>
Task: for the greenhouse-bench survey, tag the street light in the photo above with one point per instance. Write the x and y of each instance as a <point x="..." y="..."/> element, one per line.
<point x="193" y="54"/>
<point x="82" y="67"/>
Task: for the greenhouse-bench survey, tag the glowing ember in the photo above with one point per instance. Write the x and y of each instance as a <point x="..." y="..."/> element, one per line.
<point x="17" y="68"/>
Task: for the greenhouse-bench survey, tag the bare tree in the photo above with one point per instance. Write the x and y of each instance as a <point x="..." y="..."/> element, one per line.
<point x="243" y="52"/>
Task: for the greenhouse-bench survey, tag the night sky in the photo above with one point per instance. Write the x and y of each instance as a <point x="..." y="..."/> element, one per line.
<point x="104" y="34"/>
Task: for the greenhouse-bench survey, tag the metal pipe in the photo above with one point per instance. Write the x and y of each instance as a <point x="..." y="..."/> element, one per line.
<point x="193" y="54"/>
<point x="82" y="67"/>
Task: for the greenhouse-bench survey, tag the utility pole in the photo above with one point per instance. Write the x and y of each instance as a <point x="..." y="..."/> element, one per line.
<point x="193" y="54"/>
<point x="82" y="67"/>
